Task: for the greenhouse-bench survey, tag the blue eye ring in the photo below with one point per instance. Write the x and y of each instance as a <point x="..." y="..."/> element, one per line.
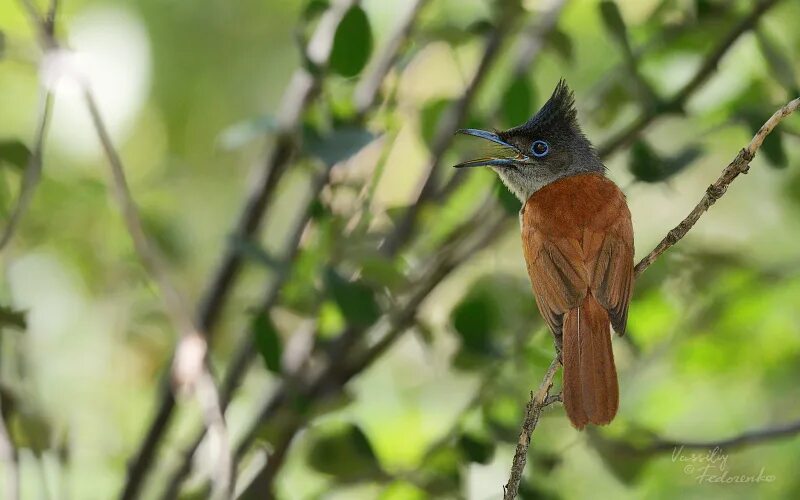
<point x="539" y="149"/>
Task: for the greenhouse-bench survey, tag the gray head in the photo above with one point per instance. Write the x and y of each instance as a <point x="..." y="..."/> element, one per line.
<point x="548" y="147"/>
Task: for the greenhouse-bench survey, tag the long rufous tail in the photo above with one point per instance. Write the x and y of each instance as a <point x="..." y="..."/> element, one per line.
<point x="591" y="394"/>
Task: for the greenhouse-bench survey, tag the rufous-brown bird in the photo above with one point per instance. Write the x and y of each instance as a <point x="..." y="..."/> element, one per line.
<point x="578" y="244"/>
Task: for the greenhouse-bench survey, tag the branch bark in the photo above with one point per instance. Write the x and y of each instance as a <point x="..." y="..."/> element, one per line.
<point x="739" y="165"/>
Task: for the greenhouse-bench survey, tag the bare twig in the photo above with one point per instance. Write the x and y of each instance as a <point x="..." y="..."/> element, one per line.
<point x="739" y="441"/>
<point x="189" y="368"/>
<point x="532" y="412"/>
<point x="681" y="97"/>
<point x="739" y="165"/>
<point x="33" y="171"/>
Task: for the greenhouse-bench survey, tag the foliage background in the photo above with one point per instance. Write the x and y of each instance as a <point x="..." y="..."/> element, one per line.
<point x="190" y="91"/>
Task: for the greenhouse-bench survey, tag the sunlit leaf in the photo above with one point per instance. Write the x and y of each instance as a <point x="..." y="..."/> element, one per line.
<point x="352" y="43"/>
<point x="268" y="342"/>
<point x="337" y="145"/>
<point x="345" y="453"/>
<point x="355" y="299"/>
<point x="14" y="153"/>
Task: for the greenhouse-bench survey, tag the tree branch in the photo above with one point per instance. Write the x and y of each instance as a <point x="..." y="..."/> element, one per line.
<point x="739" y="165"/>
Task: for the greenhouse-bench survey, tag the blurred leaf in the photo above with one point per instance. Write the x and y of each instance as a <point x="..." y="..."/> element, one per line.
<point x="167" y="236"/>
<point x="355" y="300"/>
<point x="239" y="134"/>
<point x="2" y="44"/>
<point x="268" y="342"/>
<point x="381" y="272"/>
<point x="10" y="317"/>
<point x="502" y="414"/>
<point x="330" y="320"/>
<point x="15" y="153"/>
<point x="476" y="449"/>
<point x="300" y="293"/>
<point x="612" y="19"/>
<point x="517" y="101"/>
<point x="475" y="319"/>
<point x="253" y="251"/>
<point x="345" y="453"/>
<point x="507" y="199"/>
<point x="561" y="43"/>
<point x="649" y="166"/>
<point x="625" y="466"/>
<point x="402" y="491"/>
<point x="782" y="66"/>
<point x="531" y="491"/>
<point x="337" y="145"/>
<point x="430" y="117"/>
<point x="314" y="8"/>
<point x="772" y="147"/>
<point x="30" y="429"/>
<point x="608" y="104"/>
<point x="440" y="473"/>
<point x="352" y="43"/>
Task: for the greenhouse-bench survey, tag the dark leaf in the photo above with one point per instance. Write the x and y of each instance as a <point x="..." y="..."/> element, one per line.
<point x="352" y="43"/>
<point x="314" y="8"/>
<point x="502" y="414"/>
<point x="612" y="19"/>
<point x="476" y="449"/>
<point x="10" y="317"/>
<point x="355" y="299"/>
<point x="15" y="153"/>
<point x="475" y="319"/>
<point x="337" y="145"/>
<point x="644" y="163"/>
<point x="608" y="104"/>
<point x="430" y="117"/>
<point x="251" y="250"/>
<point x="783" y="69"/>
<point x="440" y="473"/>
<point x="268" y="342"/>
<point x="381" y="272"/>
<point x="772" y="147"/>
<point x="2" y="44"/>
<point x="517" y="101"/>
<point x="508" y="201"/>
<point x="561" y="43"/>
<point x="345" y="453"/>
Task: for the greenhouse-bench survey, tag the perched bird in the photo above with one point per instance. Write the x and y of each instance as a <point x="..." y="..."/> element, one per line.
<point x="578" y="244"/>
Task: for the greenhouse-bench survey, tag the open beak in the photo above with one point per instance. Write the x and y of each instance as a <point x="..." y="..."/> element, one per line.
<point x="489" y="161"/>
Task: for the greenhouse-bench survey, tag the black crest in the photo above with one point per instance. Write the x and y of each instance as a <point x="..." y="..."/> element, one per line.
<point x="557" y="113"/>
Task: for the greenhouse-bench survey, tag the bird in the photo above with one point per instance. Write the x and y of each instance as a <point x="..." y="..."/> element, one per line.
<point x="577" y="240"/>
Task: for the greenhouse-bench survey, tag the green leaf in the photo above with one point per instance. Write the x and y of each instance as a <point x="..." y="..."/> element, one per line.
<point x="15" y="153"/>
<point x="508" y="201"/>
<point x="352" y="43"/>
<point x="517" y="101"/>
<point x="355" y="299"/>
<point x="239" y="134"/>
<point x="475" y="319"/>
<point x="430" y="118"/>
<point x="13" y="318"/>
<point x="476" y="449"/>
<point x="345" y="453"/>
<point x="783" y="69"/>
<point x="337" y="145"/>
<point x="314" y="9"/>
<point x="644" y="163"/>
<point x="561" y="43"/>
<point x="253" y="251"/>
<point x="612" y="19"/>
<point x="2" y="44"/>
<point x="268" y="342"/>
<point x="440" y="473"/>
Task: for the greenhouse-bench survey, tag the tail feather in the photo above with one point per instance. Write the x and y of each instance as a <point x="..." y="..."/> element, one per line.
<point x="590" y="393"/>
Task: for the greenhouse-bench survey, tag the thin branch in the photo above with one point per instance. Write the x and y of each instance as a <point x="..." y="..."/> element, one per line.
<point x="451" y="120"/>
<point x="33" y="171"/>
<point x="744" y="439"/>
<point x="739" y="165"/>
<point x="677" y="102"/>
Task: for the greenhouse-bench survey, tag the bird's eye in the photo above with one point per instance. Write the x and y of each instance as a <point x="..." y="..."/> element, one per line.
<point x="540" y="149"/>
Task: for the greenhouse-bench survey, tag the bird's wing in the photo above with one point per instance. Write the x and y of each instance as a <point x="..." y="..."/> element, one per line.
<point x="611" y="267"/>
<point x="572" y="248"/>
<point x="559" y="277"/>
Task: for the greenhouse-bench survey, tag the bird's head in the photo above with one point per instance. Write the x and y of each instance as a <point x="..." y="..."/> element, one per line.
<point x="546" y="148"/>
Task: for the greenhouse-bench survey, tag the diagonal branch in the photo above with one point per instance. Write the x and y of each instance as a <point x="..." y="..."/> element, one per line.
<point x="739" y="165"/>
